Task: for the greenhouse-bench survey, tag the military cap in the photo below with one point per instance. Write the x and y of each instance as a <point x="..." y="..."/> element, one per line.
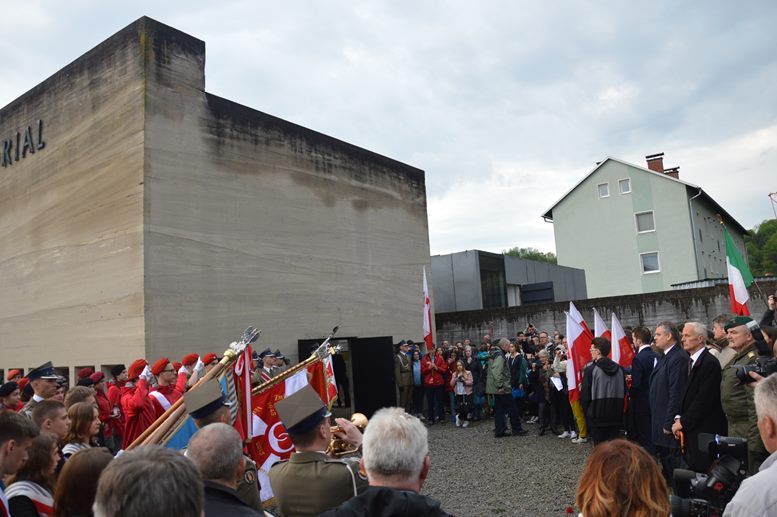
<point x="13" y="373"/>
<point x="97" y="377"/>
<point x="266" y="353"/>
<point x="159" y="366"/>
<point x="209" y="358"/>
<point x="189" y="359"/>
<point x="205" y="399"/>
<point x="136" y="368"/>
<point x="116" y="370"/>
<point x="84" y="372"/>
<point x="44" y="371"/>
<point x="737" y="321"/>
<point x="301" y="411"/>
<point x="8" y="388"/>
<point x="278" y="354"/>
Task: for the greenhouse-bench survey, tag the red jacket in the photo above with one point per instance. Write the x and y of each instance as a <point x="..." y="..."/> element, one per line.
<point x="105" y="408"/>
<point x="171" y="393"/>
<point x="114" y="398"/>
<point x="139" y="412"/>
<point x="433" y="377"/>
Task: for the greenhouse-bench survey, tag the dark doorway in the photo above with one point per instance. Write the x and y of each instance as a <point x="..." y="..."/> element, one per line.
<point x="372" y="360"/>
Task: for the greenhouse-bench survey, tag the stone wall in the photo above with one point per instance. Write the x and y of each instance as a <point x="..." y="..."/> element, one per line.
<point x="644" y="309"/>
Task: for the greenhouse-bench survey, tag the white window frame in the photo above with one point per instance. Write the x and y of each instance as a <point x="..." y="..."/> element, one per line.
<point x="619" y="186"/>
<point x="598" y="193"/>
<point x="642" y="264"/>
<point x="636" y="225"/>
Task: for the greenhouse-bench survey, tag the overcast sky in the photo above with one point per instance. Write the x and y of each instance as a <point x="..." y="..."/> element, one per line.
<point x="505" y="105"/>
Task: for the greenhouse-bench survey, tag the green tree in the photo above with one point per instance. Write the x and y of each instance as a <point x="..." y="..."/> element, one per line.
<point x="531" y="254"/>
<point x="761" y="245"/>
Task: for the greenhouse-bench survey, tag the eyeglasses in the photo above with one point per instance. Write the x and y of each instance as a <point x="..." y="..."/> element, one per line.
<point x="166" y="370"/>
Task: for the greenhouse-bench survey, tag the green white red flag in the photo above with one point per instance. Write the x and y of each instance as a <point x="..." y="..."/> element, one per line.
<point x="739" y="277"/>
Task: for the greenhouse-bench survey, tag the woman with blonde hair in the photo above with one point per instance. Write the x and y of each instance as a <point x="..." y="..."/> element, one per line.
<point x="83" y="429"/>
<point x="620" y="478"/>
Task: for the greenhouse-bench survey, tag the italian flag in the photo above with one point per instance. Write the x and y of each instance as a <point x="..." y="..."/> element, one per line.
<point x="739" y="277"/>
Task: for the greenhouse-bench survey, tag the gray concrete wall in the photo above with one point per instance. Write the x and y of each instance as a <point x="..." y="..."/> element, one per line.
<point x="644" y="309"/>
<point x="71" y="217"/>
<point x="568" y="282"/>
<point x="457" y="282"/>
<point x="254" y="220"/>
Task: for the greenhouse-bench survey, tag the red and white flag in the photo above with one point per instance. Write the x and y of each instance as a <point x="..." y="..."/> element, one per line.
<point x="322" y="379"/>
<point x="578" y="318"/>
<point x="271" y="442"/>
<point x="427" y="317"/>
<point x="600" y="328"/>
<point x="739" y="277"/>
<point x="578" y="354"/>
<point x="241" y="371"/>
<point x="622" y="352"/>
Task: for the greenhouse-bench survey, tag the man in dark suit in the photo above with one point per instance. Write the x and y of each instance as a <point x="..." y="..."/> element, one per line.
<point x="666" y="387"/>
<point x="641" y="368"/>
<point x="700" y="408"/>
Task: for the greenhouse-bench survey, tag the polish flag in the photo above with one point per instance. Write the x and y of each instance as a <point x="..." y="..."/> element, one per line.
<point x="739" y="277"/>
<point x="427" y="316"/>
<point x="622" y="351"/>
<point x="322" y="379"/>
<point x="600" y="328"/>
<point x="578" y="354"/>
<point x="578" y="318"/>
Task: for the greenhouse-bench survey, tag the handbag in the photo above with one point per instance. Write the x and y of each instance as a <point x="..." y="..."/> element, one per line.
<point x="518" y="393"/>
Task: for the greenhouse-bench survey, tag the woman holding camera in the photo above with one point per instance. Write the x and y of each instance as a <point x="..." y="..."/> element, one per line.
<point x="461" y="382"/>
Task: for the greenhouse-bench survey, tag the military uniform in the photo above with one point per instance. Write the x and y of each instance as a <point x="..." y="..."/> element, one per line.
<point x="738" y="404"/>
<point x="45" y="371"/>
<point x="311" y="482"/>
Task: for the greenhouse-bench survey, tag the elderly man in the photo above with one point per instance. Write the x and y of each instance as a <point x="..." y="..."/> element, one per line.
<point x="149" y="481"/>
<point x="756" y="496"/>
<point x="666" y="387"/>
<point x="700" y="409"/>
<point x="218" y="452"/>
<point x="736" y="398"/>
<point x="403" y="376"/>
<point x="311" y="482"/>
<point x="719" y="347"/>
<point x="43" y="380"/>
<point x="396" y="459"/>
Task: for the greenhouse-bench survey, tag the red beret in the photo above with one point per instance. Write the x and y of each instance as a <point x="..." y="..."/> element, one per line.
<point x="24" y="381"/>
<point x="83" y="373"/>
<point x="159" y="366"/>
<point x="209" y="358"/>
<point x="13" y="373"/>
<point x="136" y="368"/>
<point x="177" y="366"/>
<point x="189" y="359"/>
<point x="97" y="377"/>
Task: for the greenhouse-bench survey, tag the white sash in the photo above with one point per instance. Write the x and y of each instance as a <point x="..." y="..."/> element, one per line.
<point x="161" y="399"/>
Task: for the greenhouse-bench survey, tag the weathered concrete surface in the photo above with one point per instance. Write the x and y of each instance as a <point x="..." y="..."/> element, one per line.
<point x="71" y="243"/>
<point x="644" y="309"/>
<point x="161" y="220"/>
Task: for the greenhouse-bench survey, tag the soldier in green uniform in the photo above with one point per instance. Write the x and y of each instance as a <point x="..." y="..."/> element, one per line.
<point x="207" y="405"/>
<point x="311" y="482"/>
<point x="736" y="398"/>
<point x="44" y="385"/>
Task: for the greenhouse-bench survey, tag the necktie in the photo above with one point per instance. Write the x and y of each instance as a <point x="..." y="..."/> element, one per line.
<point x="690" y="365"/>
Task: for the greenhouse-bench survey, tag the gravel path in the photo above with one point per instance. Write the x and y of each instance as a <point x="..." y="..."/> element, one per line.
<point x="474" y="474"/>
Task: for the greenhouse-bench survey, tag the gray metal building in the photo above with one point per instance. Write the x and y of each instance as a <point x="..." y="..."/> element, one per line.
<point x="474" y="279"/>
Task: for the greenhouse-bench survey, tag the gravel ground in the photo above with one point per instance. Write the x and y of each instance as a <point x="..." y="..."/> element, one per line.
<point x="474" y="474"/>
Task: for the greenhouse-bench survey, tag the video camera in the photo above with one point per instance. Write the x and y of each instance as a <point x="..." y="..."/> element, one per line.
<point x="766" y="363"/>
<point x="708" y="494"/>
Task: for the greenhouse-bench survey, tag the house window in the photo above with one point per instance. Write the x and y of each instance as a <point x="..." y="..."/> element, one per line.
<point x="604" y="189"/>
<point x="649" y="262"/>
<point x="645" y="222"/>
<point x="624" y="186"/>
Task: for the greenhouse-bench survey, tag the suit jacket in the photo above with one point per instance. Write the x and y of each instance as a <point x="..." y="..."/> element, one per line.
<point x="641" y="369"/>
<point x="700" y="408"/>
<point x="666" y="388"/>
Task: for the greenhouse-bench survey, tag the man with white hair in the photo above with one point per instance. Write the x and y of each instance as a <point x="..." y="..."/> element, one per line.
<point x="757" y="496"/>
<point x="396" y="459"/>
<point x="700" y="409"/>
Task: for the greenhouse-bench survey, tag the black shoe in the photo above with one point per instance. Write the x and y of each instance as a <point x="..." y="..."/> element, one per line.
<point x="501" y="435"/>
<point x="520" y="432"/>
<point x="542" y="431"/>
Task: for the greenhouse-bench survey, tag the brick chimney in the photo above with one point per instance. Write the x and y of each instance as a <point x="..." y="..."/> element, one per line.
<point x="655" y="162"/>
<point x="673" y="172"/>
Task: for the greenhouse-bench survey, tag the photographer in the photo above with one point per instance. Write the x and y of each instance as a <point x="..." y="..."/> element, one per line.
<point x="736" y="398"/>
<point x="769" y="319"/>
<point x="757" y="496"/>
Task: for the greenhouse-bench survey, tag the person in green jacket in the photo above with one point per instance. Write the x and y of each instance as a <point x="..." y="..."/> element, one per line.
<point x="498" y="386"/>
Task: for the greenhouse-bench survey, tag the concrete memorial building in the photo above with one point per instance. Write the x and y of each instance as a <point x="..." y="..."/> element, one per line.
<point x="141" y="216"/>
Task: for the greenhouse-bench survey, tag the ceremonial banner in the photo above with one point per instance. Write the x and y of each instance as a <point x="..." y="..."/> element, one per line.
<point x="579" y="354"/>
<point x="622" y="351"/>
<point x="271" y="442"/>
<point x="600" y="328"/>
<point x="322" y="379"/>
<point x="739" y="277"/>
<point x="427" y="317"/>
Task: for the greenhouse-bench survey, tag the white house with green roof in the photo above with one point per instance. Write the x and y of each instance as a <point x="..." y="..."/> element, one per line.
<point x="638" y="230"/>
